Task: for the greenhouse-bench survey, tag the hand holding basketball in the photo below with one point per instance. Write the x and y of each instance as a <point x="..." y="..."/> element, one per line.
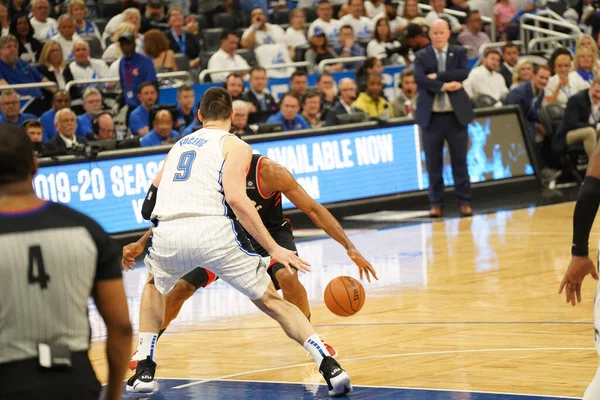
<point x="344" y="296"/>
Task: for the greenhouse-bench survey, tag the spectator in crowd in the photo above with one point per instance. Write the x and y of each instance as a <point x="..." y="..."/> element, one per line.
<point x="295" y="35"/>
<point x="240" y="118"/>
<point x="288" y="114"/>
<point x="325" y="23"/>
<point x="185" y="107"/>
<point x="584" y="64"/>
<point x="383" y="45"/>
<point x="588" y="41"/>
<point x="405" y="104"/>
<point x="154" y="17"/>
<point x="443" y="113"/>
<point x="226" y="57"/>
<point x="504" y="11"/>
<point x="348" y="47"/>
<point x="162" y="130"/>
<point x="85" y="67"/>
<point x="473" y="35"/>
<point x="372" y="65"/>
<point x="299" y="82"/>
<point x="92" y="104"/>
<point x="14" y="70"/>
<point x="390" y="14"/>
<point x="510" y="56"/>
<point x="84" y="27"/>
<point x="180" y="41"/>
<point x="60" y="100"/>
<point x="565" y="82"/>
<point x="113" y="52"/>
<point x="261" y="105"/>
<point x="131" y="15"/>
<point x="11" y="109"/>
<point x="52" y="64"/>
<point x="523" y="72"/>
<point x="29" y="47"/>
<point x="66" y="35"/>
<point x="319" y="50"/>
<point x="134" y="69"/>
<point x="581" y="123"/>
<point x="411" y="11"/>
<point x="438" y="12"/>
<point x="234" y="85"/>
<point x="361" y="26"/>
<point x="416" y="38"/>
<point x="326" y="86"/>
<point x="484" y="80"/>
<point x="347" y="88"/>
<point x="139" y="120"/>
<point x="65" y="140"/>
<point x="44" y="27"/>
<point x="374" y="8"/>
<point x="530" y="95"/>
<point x="33" y="129"/>
<point x="156" y="46"/>
<point x="103" y="127"/>
<point x="261" y="32"/>
<point x="4" y="19"/>
<point x="311" y="107"/>
<point x="371" y="100"/>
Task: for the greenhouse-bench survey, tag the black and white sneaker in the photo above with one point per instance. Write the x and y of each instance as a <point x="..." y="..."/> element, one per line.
<point x="143" y="380"/>
<point x="337" y="379"/>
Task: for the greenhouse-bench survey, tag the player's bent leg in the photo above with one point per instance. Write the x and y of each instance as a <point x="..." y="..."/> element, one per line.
<point x="174" y="301"/>
<point x="293" y="291"/>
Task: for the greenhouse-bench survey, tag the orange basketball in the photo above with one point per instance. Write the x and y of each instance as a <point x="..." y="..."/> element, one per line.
<point x="344" y="296"/>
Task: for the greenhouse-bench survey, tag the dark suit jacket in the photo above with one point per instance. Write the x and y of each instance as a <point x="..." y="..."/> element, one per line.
<point x="506" y="74"/>
<point x="522" y="95"/>
<point x="74" y="92"/>
<point x="260" y="116"/>
<point x="457" y="69"/>
<point x="577" y="115"/>
<point x="57" y="146"/>
<point x="192" y="45"/>
<point x="332" y="115"/>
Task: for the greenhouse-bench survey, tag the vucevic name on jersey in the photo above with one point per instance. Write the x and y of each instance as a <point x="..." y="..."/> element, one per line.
<point x="268" y="205"/>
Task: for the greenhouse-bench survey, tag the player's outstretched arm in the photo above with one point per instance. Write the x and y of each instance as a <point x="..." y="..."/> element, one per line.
<point x="132" y="250"/>
<point x="277" y="178"/>
<point x="237" y="159"/>
<point x="583" y="218"/>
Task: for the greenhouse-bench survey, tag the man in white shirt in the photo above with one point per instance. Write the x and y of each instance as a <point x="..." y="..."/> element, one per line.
<point x="261" y="32"/>
<point x="484" y="80"/>
<point x="225" y="57"/>
<point x="85" y="67"/>
<point x="438" y="12"/>
<point x="66" y="35"/>
<point x="362" y="26"/>
<point x="397" y="23"/>
<point x="325" y="23"/>
<point x="44" y="27"/>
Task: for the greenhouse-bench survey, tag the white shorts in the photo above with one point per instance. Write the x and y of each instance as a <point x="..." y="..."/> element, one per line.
<point x="218" y="244"/>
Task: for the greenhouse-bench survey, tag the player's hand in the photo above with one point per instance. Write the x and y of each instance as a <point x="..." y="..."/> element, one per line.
<point x="289" y="259"/>
<point x="130" y="252"/>
<point x="363" y="265"/>
<point x="577" y="271"/>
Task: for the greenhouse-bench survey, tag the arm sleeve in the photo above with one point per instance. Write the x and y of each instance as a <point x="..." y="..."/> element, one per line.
<point x="584" y="215"/>
<point x="149" y="202"/>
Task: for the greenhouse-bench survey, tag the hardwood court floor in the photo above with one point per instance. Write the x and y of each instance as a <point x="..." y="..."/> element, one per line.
<point x="461" y="304"/>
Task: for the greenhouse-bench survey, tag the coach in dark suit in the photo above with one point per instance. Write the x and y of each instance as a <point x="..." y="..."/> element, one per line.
<point x="263" y="104"/>
<point x="65" y="139"/>
<point x="582" y="118"/>
<point x="343" y="106"/>
<point x="443" y="113"/>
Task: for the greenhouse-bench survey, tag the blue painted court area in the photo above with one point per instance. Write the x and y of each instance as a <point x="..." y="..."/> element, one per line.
<point x="287" y="391"/>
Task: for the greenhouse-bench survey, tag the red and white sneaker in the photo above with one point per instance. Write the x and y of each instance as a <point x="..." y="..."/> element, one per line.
<point x="333" y="352"/>
<point x="134" y="361"/>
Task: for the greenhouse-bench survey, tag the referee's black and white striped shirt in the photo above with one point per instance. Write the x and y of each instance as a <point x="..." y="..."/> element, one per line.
<point x="50" y="258"/>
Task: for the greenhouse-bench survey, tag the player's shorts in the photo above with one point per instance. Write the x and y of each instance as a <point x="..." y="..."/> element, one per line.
<point x="217" y="243"/>
<point x="283" y="237"/>
<point x="199" y="278"/>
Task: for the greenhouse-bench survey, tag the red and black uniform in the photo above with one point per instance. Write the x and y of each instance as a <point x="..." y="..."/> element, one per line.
<point x="269" y="207"/>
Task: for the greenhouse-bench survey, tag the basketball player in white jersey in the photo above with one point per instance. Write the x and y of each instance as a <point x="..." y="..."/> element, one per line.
<point x="581" y="265"/>
<point x="203" y="184"/>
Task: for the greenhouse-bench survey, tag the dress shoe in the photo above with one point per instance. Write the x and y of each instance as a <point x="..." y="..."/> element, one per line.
<point x="466" y="210"/>
<point x="435" y="212"/>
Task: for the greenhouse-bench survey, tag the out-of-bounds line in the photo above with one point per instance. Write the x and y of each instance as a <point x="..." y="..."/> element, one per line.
<point x="424" y="353"/>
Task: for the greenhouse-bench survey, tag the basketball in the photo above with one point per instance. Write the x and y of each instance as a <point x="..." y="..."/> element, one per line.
<point x="344" y="296"/>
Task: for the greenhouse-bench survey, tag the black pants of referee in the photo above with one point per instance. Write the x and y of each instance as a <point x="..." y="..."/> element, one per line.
<point x="26" y="380"/>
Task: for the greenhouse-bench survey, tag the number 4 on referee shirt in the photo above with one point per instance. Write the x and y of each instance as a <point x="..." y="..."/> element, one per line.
<point x="37" y="262"/>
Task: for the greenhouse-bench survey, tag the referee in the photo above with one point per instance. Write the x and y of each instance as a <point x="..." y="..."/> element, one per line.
<point x="53" y="259"/>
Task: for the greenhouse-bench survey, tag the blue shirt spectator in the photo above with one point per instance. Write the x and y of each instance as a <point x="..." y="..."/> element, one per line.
<point x="191" y="128"/>
<point x="348" y="47"/>
<point x="297" y="123"/>
<point x="84" y="125"/>
<point x="60" y="100"/>
<point x="10" y="106"/>
<point x="289" y="114"/>
<point x="20" y="121"/>
<point x="134" y="69"/>
<point x="152" y="138"/>
<point x="139" y="119"/>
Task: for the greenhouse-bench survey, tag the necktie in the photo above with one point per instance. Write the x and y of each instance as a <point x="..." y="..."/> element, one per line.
<point x="263" y="106"/>
<point x="441" y="98"/>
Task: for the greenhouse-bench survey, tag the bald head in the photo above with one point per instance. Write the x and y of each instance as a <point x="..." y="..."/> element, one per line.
<point x="347" y="90"/>
<point x="163" y="123"/>
<point x="439" y="33"/>
<point x="106" y="126"/>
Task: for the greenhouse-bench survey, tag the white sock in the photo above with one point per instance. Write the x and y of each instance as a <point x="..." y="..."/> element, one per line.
<point x="146" y="345"/>
<point x="314" y="345"/>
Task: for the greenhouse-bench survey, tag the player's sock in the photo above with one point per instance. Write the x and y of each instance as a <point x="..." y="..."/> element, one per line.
<point x="160" y="333"/>
<point x="146" y="345"/>
<point x="314" y="345"/>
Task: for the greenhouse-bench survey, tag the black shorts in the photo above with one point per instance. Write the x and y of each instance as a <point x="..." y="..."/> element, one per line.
<point x="200" y="278"/>
<point x="25" y="379"/>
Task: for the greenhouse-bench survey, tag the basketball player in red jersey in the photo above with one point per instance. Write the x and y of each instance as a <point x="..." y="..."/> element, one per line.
<point x="265" y="183"/>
